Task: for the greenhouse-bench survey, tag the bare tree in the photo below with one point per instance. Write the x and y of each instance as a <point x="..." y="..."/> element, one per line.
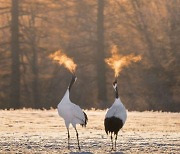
<point x="15" y="51"/>
<point x="34" y="63"/>
<point x="101" y="69"/>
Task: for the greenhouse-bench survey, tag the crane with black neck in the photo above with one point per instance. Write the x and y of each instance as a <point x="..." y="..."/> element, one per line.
<point x="115" y="117"/>
<point x="71" y="113"/>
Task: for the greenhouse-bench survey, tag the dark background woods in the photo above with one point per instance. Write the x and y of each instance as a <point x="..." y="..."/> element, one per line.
<point x="86" y="30"/>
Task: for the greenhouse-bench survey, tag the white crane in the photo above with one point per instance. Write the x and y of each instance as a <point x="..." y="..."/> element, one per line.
<point x="115" y="117"/>
<point x="71" y="113"/>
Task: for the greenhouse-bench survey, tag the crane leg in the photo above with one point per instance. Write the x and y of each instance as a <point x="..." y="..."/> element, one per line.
<point x="68" y="138"/>
<point x="112" y="141"/>
<point x="77" y="138"/>
<point x="115" y="141"/>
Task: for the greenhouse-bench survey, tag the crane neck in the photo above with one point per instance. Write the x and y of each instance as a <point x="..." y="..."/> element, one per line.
<point x="116" y="92"/>
<point x="73" y="79"/>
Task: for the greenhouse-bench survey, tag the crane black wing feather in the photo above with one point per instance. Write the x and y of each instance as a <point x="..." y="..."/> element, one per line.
<point x="112" y="124"/>
<point x="86" y="120"/>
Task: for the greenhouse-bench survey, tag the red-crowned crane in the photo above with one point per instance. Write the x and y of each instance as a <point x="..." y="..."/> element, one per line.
<point x="71" y="113"/>
<point x="115" y="117"/>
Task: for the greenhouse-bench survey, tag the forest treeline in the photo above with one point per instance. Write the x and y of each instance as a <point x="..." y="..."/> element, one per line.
<point x="30" y="30"/>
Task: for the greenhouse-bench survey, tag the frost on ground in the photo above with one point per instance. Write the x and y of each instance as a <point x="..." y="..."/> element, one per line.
<point x="37" y="131"/>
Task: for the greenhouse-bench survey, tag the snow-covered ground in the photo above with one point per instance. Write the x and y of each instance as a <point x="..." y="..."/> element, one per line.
<point x="37" y="131"/>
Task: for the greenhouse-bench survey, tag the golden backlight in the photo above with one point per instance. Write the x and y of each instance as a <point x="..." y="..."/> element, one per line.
<point x="62" y="59"/>
<point x="118" y="62"/>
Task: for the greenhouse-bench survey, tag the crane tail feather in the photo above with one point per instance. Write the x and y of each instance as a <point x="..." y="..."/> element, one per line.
<point x="86" y="120"/>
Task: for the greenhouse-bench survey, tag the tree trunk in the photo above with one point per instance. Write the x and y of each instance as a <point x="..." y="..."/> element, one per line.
<point x="35" y="70"/>
<point x="101" y="69"/>
<point x="15" y="68"/>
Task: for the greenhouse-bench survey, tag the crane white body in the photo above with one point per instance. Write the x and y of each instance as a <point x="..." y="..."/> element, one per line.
<point x="70" y="112"/>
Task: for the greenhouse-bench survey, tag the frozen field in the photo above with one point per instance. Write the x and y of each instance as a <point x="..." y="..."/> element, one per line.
<point x="37" y="131"/>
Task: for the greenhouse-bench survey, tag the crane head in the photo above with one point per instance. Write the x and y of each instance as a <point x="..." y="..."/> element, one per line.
<point x="115" y="88"/>
<point x="115" y="84"/>
<point x="74" y="78"/>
